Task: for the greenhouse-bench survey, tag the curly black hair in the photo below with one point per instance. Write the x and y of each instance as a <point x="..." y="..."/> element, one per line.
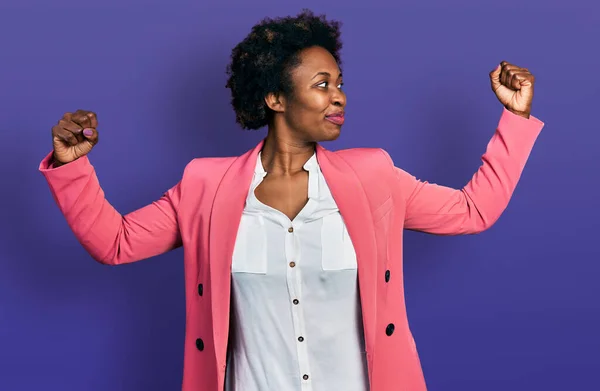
<point x="261" y="63"/>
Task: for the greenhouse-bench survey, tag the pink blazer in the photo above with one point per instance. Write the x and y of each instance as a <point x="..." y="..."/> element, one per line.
<point x="377" y="201"/>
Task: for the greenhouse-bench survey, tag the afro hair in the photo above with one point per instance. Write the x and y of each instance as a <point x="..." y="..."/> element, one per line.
<point x="262" y="62"/>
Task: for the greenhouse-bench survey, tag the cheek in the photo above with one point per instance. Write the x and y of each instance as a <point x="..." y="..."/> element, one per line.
<point x="310" y="108"/>
<point x="320" y="102"/>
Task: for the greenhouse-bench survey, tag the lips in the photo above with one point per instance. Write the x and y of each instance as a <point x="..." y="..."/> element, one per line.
<point x="337" y="118"/>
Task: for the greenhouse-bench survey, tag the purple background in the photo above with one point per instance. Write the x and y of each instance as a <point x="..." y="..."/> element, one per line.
<point x="513" y="308"/>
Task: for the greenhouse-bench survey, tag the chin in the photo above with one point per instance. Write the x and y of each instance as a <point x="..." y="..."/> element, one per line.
<point x="330" y="134"/>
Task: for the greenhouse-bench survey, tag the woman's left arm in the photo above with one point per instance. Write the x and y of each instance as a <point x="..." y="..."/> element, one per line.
<point x="443" y="210"/>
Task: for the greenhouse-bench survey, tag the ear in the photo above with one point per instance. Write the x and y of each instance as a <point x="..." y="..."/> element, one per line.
<point x="275" y="102"/>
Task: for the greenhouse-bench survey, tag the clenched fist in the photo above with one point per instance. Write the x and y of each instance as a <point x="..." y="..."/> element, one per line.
<point x="513" y="87"/>
<point x="74" y="136"/>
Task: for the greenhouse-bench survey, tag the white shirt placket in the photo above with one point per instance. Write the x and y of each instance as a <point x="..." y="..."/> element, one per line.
<point x="294" y="283"/>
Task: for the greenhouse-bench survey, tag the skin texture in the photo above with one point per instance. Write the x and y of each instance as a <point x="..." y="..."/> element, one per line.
<point x="299" y="122"/>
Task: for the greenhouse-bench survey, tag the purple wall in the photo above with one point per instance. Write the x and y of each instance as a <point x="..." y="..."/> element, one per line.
<point x="513" y="308"/>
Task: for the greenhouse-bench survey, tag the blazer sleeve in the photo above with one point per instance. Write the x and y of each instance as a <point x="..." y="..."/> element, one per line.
<point x="441" y="210"/>
<point x="109" y="237"/>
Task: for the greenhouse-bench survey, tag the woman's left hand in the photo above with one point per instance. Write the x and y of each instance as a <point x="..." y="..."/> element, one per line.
<point x="513" y="87"/>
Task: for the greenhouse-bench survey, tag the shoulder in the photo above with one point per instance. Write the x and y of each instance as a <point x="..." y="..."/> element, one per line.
<point x="366" y="158"/>
<point x="207" y="169"/>
<point x="373" y="167"/>
<point x="210" y="163"/>
<point x="375" y="171"/>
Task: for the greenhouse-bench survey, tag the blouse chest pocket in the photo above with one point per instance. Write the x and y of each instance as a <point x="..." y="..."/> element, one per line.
<point x="250" y="250"/>
<point x="337" y="250"/>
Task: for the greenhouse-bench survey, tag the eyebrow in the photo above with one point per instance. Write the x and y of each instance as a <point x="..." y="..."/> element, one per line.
<point x="325" y="74"/>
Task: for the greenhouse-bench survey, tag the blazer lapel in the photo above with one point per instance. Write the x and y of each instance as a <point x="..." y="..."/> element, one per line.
<point x="353" y="204"/>
<point x="225" y="218"/>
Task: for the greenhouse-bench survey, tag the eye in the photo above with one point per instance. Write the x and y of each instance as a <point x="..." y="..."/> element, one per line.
<point x="326" y="83"/>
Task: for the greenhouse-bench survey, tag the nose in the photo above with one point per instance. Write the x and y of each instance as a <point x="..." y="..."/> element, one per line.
<point x="338" y="97"/>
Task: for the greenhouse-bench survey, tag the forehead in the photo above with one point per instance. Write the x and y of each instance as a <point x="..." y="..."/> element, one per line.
<point x="314" y="60"/>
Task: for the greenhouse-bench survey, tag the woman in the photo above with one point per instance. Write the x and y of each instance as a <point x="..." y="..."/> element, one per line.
<point x="293" y="253"/>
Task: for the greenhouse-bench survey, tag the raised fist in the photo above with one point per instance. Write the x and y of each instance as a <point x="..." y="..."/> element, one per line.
<point x="74" y="136"/>
<point x="513" y="87"/>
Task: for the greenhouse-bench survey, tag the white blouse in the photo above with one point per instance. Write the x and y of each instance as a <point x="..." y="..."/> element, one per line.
<point x="296" y="321"/>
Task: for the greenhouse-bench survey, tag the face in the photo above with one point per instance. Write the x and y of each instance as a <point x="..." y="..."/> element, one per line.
<point x="315" y="110"/>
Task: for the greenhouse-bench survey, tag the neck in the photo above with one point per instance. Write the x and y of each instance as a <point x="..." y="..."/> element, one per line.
<point x="285" y="155"/>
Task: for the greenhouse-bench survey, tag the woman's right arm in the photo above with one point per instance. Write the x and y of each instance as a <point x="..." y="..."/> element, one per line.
<point x="108" y="236"/>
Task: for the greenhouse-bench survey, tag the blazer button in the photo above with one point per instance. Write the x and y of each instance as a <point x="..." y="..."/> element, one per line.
<point x="200" y="289"/>
<point x="387" y="276"/>
<point x="389" y="330"/>
<point x="200" y="344"/>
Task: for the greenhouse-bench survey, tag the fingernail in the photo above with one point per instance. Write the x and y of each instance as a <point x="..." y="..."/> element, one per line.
<point x="88" y="132"/>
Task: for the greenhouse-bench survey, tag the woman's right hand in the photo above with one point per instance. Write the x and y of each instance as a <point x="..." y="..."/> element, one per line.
<point x="74" y="136"/>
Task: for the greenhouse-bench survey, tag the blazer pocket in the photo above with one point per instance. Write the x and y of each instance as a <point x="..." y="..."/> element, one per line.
<point x="250" y="250"/>
<point x="383" y="209"/>
<point x="337" y="250"/>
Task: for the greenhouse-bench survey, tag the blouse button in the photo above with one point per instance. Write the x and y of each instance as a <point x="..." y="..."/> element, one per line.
<point x="305" y="377"/>
<point x="291" y="229"/>
<point x="292" y="264"/>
